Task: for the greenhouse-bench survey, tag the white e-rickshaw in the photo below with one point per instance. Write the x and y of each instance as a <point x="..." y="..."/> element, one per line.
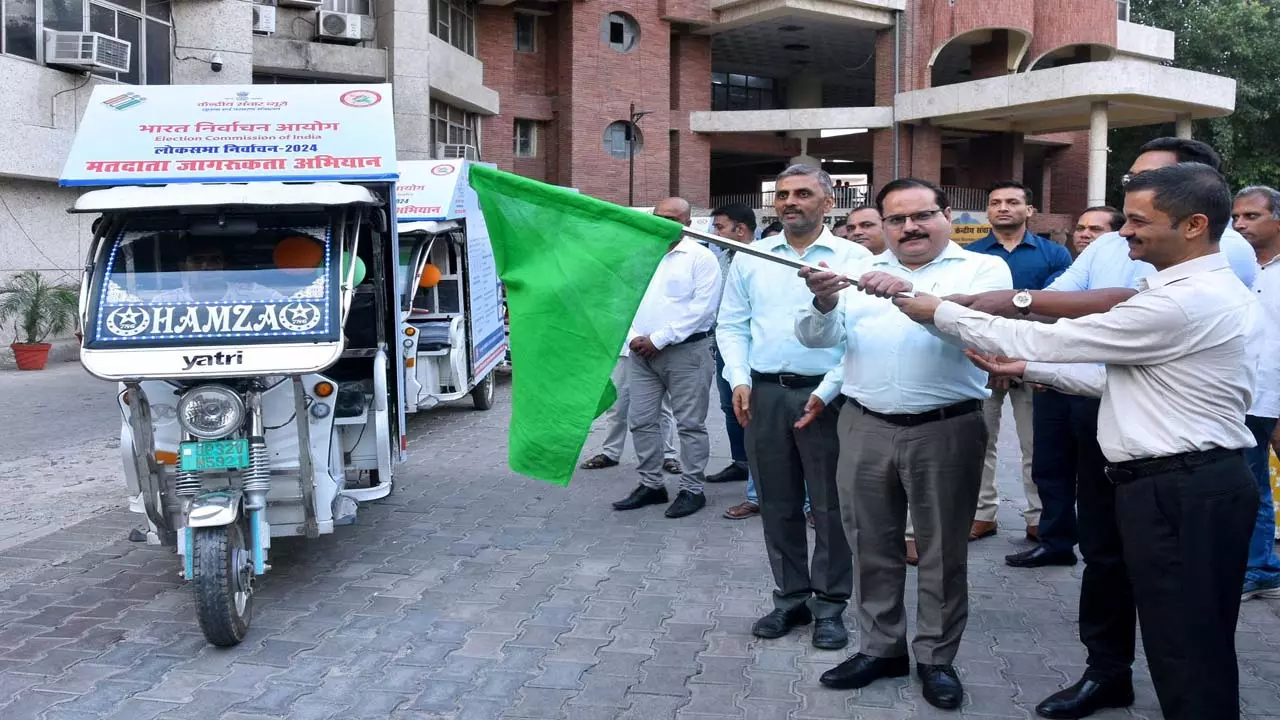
<point x="245" y="301"/>
<point x="454" y="326"/>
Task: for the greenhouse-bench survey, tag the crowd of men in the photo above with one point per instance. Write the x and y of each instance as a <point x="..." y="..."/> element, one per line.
<point x="862" y="397"/>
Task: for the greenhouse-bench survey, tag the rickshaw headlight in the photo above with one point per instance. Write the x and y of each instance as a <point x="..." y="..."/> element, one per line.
<point x="210" y="412"/>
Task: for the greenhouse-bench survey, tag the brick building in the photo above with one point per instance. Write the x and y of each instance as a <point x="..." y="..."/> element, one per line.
<point x="962" y="92"/>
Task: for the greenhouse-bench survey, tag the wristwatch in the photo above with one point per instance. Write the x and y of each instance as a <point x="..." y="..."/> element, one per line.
<point x="1022" y="301"/>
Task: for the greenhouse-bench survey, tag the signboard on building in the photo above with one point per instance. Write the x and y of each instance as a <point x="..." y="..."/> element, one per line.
<point x="968" y="226"/>
<point x="154" y="134"/>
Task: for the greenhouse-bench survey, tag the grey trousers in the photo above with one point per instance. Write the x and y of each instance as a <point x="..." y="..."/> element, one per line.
<point x="682" y="373"/>
<point x="784" y="461"/>
<point x="937" y="468"/>
<point x="615" y="418"/>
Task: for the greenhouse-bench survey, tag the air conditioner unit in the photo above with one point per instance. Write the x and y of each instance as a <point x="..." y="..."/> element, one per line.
<point x="447" y="151"/>
<point x="264" y="19"/>
<point x="308" y="4"/>
<point x="338" y="26"/>
<point x="86" y="51"/>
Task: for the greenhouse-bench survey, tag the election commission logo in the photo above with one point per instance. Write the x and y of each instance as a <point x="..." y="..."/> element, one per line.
<point x="299" y="316"/>
<point x="127" y="321"/>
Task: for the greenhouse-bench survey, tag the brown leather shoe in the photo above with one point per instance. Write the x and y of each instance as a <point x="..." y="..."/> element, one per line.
<point x="913" y="557"/>
<point x="742" y="511"/>
<point x="981" y="529"/>
<point x="1033" y="533"/>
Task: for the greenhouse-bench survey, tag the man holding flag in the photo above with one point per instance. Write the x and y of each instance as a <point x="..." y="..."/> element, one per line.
<point x="782" y="395"/>
<point x="670" y="345"/>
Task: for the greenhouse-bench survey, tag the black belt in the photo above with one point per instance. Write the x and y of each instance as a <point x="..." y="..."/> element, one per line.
<point x="1126" y="472"/>
<point x="696" y="337"/>
<point x="787" y="380"/>
<point x="945" y="413"/>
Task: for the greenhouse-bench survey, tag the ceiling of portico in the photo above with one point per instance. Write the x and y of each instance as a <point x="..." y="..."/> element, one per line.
<point x="841" y="55"/>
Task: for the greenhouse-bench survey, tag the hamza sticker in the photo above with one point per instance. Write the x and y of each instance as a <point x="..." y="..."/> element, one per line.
<point x="299" y="316"/>
<point x="127" y="321"/>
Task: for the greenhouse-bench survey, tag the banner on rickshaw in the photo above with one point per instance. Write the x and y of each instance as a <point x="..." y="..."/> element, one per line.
<point x="132" y="135"/>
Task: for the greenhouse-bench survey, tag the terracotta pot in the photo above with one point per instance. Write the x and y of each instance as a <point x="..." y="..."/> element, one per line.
<point x="31" y="357"/>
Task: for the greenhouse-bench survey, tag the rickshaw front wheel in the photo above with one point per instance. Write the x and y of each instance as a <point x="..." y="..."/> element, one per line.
<point x="223" y="568"/>
<point x="482" y="394"/>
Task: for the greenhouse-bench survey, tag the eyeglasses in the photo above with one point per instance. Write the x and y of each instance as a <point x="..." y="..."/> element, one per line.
<point x="918" y="218"/>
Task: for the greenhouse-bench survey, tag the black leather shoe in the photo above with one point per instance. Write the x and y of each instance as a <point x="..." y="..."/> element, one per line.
<point x="942" y="686"/>
<point x="733" y="473"/>
<point x="641" y="496"/>
<point x="830" y="634"/>
<point x="1085" y="698"/>
<point x="862" y="670"/>
<point x="780" y="622"/>
<point x="1039" y="557"/>
<point x="686" y="503"/>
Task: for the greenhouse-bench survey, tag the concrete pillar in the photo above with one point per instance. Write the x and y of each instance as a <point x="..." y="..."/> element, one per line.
<point x="1098" y="154"/>
<point x="203" y="29"/>
<point x="804" y="91"/>
<point x="404" y="29"/>
<point x="1184" y="126"/>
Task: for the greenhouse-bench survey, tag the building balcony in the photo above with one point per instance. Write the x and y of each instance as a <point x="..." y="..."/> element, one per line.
<point x="799" y="119"/>
<point x="1059" y="99"/>
<point x="1144" y="42"/>
<point x="875" y="14"/>
<point x="846" y="198"/>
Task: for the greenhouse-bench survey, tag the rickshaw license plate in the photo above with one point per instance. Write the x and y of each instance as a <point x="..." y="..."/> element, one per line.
<point x="214" y="455"/>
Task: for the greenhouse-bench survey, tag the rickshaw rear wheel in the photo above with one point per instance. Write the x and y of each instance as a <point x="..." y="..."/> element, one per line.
<point x="223" y="568"/>
<point x="482" y="394"/>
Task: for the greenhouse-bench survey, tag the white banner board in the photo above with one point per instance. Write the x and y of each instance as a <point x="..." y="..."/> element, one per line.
<point x="153" y="134"/>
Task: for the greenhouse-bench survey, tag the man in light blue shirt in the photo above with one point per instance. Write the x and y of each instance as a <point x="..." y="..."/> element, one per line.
<point x="782" y="395"/>
<point x="911" y="432"/>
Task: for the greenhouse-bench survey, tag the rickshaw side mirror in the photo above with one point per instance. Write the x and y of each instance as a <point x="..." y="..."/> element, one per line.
<point x="378" y="219"/>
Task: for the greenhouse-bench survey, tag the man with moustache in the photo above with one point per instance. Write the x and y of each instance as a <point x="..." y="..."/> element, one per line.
<point x="911" y="433"/>
<point x="785" y="395"/>
<point x="1177" y="362"/>
<point x="1093" y="223"/>
<point x="865" y="228"/>
<point x="1035" y="262"/>
<point x="1256" y="215"/>
<point x="1078" y="498"/>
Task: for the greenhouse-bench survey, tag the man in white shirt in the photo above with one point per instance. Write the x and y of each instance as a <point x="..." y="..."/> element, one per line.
<point x="783" y="394"/>
<point x="1256" y="216"/>
<point x="1179" y="368"/>
<point x="911" y="432"/>
<point x="866" y="229"/>
<point x="670" y="344"/>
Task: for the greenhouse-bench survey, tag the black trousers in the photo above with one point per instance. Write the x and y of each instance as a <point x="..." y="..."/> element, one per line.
<point x="1186" y="539"/>
<point x="1068" y="468"/>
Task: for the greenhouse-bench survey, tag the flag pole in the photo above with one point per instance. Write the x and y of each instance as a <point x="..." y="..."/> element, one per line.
<point x="746" y="249"/>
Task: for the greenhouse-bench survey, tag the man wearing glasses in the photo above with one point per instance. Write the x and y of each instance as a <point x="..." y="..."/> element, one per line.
<point x="1076" y="495"/>
<point x="911" y="432"/>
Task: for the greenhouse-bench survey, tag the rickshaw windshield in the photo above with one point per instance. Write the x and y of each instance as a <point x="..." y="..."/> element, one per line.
<point x="246" y="283"/>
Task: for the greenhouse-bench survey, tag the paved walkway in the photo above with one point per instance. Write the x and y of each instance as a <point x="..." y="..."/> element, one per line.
<point x="471" y="593"/>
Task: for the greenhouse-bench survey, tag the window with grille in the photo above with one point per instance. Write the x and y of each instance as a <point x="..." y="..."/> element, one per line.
<point x="454" y="126"/>
<point x="526" y="32"/>
<point x="454" y="22"/>
<point x="524" y="139"/>
<point x="355" y="7"/>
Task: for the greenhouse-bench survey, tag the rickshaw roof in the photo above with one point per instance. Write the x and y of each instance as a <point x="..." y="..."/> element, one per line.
<point x="431" y="190"/>
<point x="218" y="194"/>
<point x="431" y="227"/>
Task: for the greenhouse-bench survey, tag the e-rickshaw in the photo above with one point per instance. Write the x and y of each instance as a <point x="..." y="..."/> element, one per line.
<point x="454" y="325"/>
<point x="245" y="303"/>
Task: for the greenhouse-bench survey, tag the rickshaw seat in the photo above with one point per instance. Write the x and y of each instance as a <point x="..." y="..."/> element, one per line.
<point x="434" y="335"/>
<point x="350" y="402"/>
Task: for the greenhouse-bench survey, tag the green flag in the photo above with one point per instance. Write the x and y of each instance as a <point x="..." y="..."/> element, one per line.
<point x="575" y="269"/>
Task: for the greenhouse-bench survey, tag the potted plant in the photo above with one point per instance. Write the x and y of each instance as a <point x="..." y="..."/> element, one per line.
<point x="37" y="309"/>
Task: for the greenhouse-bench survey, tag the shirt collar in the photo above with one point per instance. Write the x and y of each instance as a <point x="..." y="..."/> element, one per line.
<point x="685" y="245"/>
<point x="991" y="241"/>
<point x="1182" y="271"/>
<point x="825" y="239"/>
<point x="951" y="252"/>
